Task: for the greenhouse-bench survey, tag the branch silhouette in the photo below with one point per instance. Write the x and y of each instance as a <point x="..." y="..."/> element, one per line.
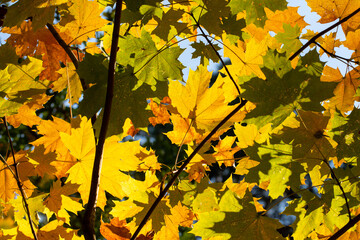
<point x="18" y="182"/>
<point x="313" y="39"/>
<point x="89" y="215"/>
<point x="186" y="162"/>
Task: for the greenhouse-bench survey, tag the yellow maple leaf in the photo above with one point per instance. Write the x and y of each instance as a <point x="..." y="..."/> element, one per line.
<point x="245" y="63"/>
<point x="224" y="152"/>
<point x="331" y="10"/>
<point x="69" y="79"/>
<point x="205" y="106"/>
<point x="180" y="215"/>
<point x="52" y="143"/>
<point x="117" y="156"/>
<point x="244" y="165"/>
<point x="86" y="20"/>
<point x="248" y="134"/>
<point x="278" y="18"/>
<point x="352" y="42"/>
<point x="183" y="131"/>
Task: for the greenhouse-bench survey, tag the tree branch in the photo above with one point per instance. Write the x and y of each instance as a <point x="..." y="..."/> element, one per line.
<point x="342" y="230"/>
<point x="19" y="184"/>
<point x="89" y="215"/>
<point x="216" y="52"/>
<point x="313" y="39"/>
<point x="186" y="162"/>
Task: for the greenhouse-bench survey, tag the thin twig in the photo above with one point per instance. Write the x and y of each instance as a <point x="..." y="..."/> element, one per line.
<point x="324" y="159"/>
<point x="89" y="215"/>
<point x="336" y="56"/>
<point x="19" y="184"/>
<point x="313" y="39"/>
<point x="216" y="52"/>
<point x="177" y="173"/>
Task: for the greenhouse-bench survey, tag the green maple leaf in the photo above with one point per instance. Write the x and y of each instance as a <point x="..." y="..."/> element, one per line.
<point x="237" y="219"/>
<point x="290" y="38"/>
<point x="210" y="14"/>
<point x="168" y="21"/>
<point x="41" y="12"/>
<point x="157" y="216"/>
<point x="127" y="102"/>
<point x="275" y="166"/>
<point x="18" y="84"/>
<point x="277" y="62"/>
<point x="276" y="98"/>
<point x="205" y="52"/>
<point x="7" y="55"/>
<point x="255" y="9"/>
<point x="346" y="134"/>
<point x="150" y="65"/>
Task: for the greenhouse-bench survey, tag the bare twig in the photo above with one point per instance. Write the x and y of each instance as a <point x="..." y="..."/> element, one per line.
<point x="18" y="182"/>
<point x="340" y="58"/>
<point x="89" y="215"/>
<point x="177" y="173"/>
<point x="324" y="159"/>
<point x="216" y="52"/>
<point x="313" y="39"/>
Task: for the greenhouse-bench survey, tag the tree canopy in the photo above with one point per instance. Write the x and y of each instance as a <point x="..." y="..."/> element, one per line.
<point x="82" y="82"/>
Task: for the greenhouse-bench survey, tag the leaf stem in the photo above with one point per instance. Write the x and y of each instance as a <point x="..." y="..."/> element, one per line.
<point x="89" y="215"/>
<point x="186" y="162"/>
<point x="19" y="184"/>
<point x="313" y="39"/>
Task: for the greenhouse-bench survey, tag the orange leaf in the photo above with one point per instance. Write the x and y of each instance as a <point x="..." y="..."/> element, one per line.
<point x="115" y="230"/>
<point x="278" y="18"/>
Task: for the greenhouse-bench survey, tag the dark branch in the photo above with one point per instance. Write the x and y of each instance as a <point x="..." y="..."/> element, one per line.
<point x="313" y="39"/>
<point x="19" y="184"/>
<point x="186" y="162"/>
<point x="216" y="52"/>
<point x="342" y="230"/>
<point x="89" y="215"/>
<point x="67" y="49"/>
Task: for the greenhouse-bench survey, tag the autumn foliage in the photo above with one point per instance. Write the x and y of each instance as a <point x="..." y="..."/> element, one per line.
<point x="278" y="117"/>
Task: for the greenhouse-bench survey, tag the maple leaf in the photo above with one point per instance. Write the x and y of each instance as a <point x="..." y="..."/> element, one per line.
<point x="330" y="11"/>
<point x="9" y="185"/>
<point x="26" y="114"/>
<point x="245" y="63"/>
<point x="69" y="79"/>
<point x="82" y="20"/>
<point x="41" y="12"/>
<point x="150" y="64"/>
<point x="345" y="90"/>
<point x="54" y="202"/>
<point x="278" y="18"/>
<point x="115" y="230"/>
<point x="31" y="43"/>
<point x="221" y="224"/>
<point x="197" y="101"/>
